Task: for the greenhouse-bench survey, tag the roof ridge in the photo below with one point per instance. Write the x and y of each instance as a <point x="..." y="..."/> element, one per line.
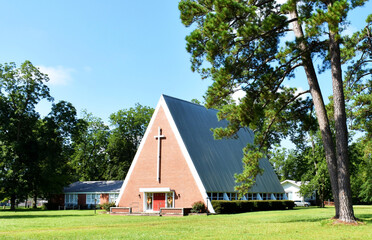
<point x="182" y="100"/>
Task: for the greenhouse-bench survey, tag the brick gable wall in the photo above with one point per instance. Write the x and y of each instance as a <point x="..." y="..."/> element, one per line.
<point x="174" y="171"/>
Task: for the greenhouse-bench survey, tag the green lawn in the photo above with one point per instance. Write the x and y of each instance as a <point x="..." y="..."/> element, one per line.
<point x="301" y="223"/>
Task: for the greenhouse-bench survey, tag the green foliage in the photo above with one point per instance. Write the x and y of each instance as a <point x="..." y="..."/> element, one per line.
<point x="107" y="206"/>
<point x="132" y="123"/>
<point x="357" y="53"/>
<point x="240" y="206"/>
<point x="308" y="165"/>
<point x="89" y="159"/>
<point x="54" y="135"/>
<point x="251" y="168"/>
<point x="196" y="101"/>
<point x="289" y="163"/>
<point x="361" y="167"/>
<point x="198" y="207"/>
<point x="241" y="45"/>
<point x="23" y="135"/>
<point x="129" y="127"/>
<point x="104" y="154"/>
<point x="240" y="41"/>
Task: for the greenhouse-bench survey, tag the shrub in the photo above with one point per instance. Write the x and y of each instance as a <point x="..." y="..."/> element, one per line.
<point x="198" y="207"/>
<point x="240" y="206"/>
<point x="83" y="206"/>
<point x="107" y="206"/>
<point x="50" y="206"/>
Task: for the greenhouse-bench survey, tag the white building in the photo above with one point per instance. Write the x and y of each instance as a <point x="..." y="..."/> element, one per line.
<point x="292" y="190"/>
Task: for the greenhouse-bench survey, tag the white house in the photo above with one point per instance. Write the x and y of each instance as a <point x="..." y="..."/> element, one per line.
<point x="292" y="190"/>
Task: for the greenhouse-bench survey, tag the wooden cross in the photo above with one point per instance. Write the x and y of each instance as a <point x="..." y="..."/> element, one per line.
<point x="159" y="137"/>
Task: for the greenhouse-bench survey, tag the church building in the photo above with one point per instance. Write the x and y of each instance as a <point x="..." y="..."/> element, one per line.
<point x="179" y="162"/>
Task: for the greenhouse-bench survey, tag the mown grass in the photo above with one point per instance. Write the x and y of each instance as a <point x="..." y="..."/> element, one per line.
<point x="301" y="223"/>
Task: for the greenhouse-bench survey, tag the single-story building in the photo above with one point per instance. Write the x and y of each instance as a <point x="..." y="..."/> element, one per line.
<point x="86" y="194"/>
<point x="292" y="190"/>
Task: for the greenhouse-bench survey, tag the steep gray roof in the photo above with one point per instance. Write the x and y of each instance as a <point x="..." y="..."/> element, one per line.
<point x="216" y="161"/>
<point x="94" y="187"/>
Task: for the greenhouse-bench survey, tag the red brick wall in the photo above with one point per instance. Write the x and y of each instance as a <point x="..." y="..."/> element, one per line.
<point x="58" y="199"/>
<point x="174" y="172"/>
<point x="104" y="198"/>
<point x="120" y="210"/>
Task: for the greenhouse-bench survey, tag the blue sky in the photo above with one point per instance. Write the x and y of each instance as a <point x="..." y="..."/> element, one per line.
<point x="104" y="56"/>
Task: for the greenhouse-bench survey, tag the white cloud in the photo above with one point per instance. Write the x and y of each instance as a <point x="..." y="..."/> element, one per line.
<point x="58" y="75"/>
<point x="238" y="94"/>
<point x="281" y="1"/>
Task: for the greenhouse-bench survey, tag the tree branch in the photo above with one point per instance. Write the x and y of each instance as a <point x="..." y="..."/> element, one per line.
<point x="277" y="114"/>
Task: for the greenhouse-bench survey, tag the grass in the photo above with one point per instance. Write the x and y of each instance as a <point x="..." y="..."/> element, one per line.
<point x="301" y="223"/>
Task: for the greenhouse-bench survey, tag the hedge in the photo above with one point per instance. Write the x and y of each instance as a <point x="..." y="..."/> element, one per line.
<point x="241" y="206"/>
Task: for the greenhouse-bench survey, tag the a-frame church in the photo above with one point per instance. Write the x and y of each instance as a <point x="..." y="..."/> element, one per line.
<point x="179" y="162"/>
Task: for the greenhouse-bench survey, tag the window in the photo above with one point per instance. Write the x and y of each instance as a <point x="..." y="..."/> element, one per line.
<point x="148" y="199"/>
<point x="263" y="196"/>
<point x="220" y="196"/>
<point x="233" y="196"/>
<point x="71" y="199"/>
<point x="215" y="196"/>
<point x="209" y="196"/>
<point x="279" y="196"/>
<point x="169" y="199"/>
<point x="93" y="198"/>
<point x="113" y="197"/>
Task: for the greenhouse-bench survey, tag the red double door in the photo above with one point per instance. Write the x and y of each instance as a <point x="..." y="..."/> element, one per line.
<point x="159" y="201"/>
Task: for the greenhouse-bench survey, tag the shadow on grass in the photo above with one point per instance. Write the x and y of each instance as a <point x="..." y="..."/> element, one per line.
<point x="22" y="210"/>
<point x="366" y="218"/>
<point x="43" y="216"/>
<point x="318" y="219"/>
<point x="306" y="208"/>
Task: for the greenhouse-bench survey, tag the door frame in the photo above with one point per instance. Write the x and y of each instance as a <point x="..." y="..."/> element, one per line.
<point x="151" y="194"/>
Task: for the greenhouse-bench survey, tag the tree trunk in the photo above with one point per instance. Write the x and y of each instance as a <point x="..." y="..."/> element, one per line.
<point x="319" y="110"/>
<point x="321" y="195"/>
<point x="12" y="202"/>
<point x="345" y="199"/>
<point x="34" y="204"/>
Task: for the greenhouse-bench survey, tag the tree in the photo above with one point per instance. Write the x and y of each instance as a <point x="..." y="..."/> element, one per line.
<point x="90" y="158"/>
<point x="35" y="151"/>
<point x="53" y="138"/>
<point x="129" y="127"/>
<point x="360" y="169"/>
<point x="20" y="90"/>
<point x="316" y="175"/>
<point x="132" y="123"/>
<point x="289" y="164"/>
<point x="358" y="95"/>
<point x="306" y="164"/>
<point x="241" y="40"/>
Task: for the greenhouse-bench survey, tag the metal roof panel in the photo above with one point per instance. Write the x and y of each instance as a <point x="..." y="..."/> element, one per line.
<point x="216" y="161"/>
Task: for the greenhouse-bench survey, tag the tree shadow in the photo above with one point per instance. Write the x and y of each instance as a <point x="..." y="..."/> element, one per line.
<point x="43" y="216"/>
<point x="318" y="219"/>
<point x="366" y="218"/>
